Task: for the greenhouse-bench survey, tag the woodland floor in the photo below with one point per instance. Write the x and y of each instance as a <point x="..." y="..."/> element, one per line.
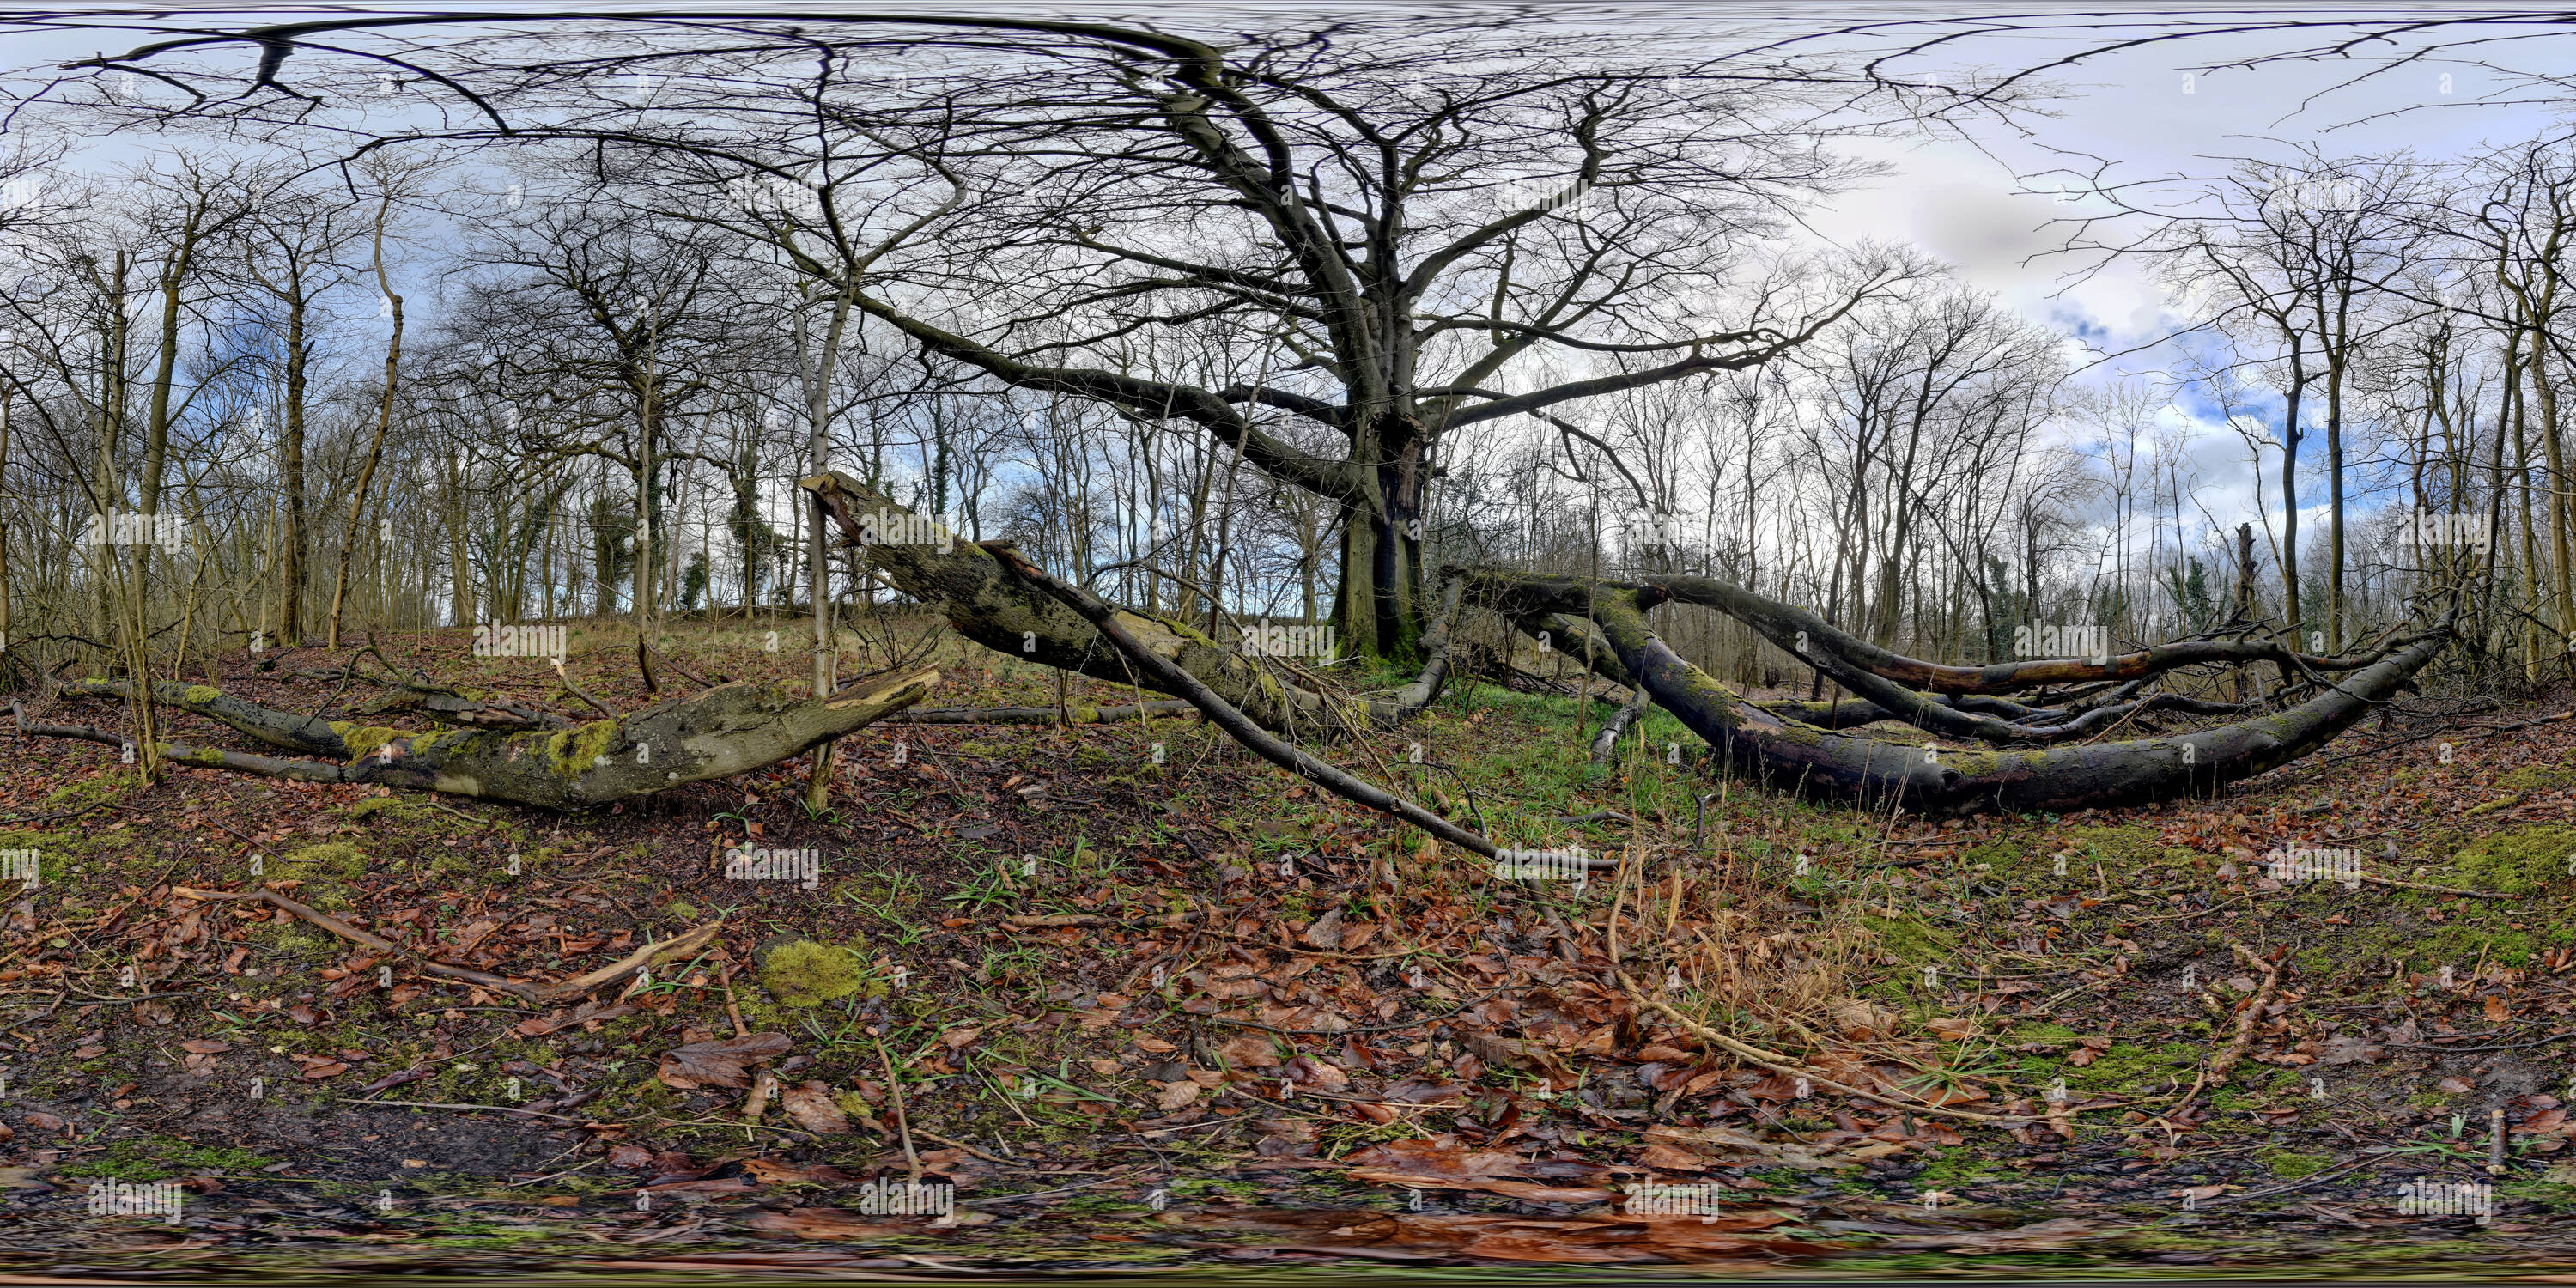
<point x="1314" y="1072"/>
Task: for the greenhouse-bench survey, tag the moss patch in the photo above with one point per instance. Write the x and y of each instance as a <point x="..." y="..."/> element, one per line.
<point x="332" y="861"/>
<point x="158" y="1158"/>
<point x="800" y="972"/>
<point x="2523" y="861"/>
<point x="2290" y="1167"/>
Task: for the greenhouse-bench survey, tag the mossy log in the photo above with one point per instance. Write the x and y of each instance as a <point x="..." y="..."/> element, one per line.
<point x="1928" y="779"/>
<point x="725" y="731"/>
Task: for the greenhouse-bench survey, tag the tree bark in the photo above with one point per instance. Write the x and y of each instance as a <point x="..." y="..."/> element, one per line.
<point x="1925" y="779"/>
<point x="727" y="730"/>
<point x="985" y="603"/>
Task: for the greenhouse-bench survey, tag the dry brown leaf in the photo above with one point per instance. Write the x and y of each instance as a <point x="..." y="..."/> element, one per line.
<point x="720" y="1064"/>
<point x="810" y="1105"/>
<point x="1520" y="1053"/>
<point x="1250" y="1052"/>
<point x="778" y="1171"/>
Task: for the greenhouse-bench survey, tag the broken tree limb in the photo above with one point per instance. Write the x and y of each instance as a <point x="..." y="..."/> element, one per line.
<point x="1605" y="745"/>
<point x="635" y="962"/>
<point x="1784" y="624"/>
<point x="480" y="979"/>
<point x="286" y="730"/>
<point x="725" y="731"/>
<point x="1169" y="676"/>
<point x="304" y="771"/>
<point x="968" y="586"/>
<point x="1815" y="642"/>
<point x="562" y="990"/>
<point x="1928" y="779"/>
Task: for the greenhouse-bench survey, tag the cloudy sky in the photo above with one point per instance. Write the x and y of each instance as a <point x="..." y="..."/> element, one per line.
<point x="2147" y="113"/>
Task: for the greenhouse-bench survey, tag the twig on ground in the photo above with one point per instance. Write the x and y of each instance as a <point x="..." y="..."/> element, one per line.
<point x="2246" y="1020"/>
<point x="495" y="1109"/>
<point x="1781" y="1064"/>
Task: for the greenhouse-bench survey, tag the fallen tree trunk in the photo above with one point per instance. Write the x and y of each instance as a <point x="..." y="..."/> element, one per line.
<point x="1811" y="638"/>
<point x="1928" y="779"/>
<point x="1168" y="675"/>
<point x="1007" y="615"/>
<point x="725" y="731"/>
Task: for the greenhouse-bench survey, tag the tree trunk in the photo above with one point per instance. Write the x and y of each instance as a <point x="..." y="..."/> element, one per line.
<point x="727" y="730"/>
<point x="1003" y="613"/>
<point x="1924" y="779"/>
<point x="292" y="576"/>
<point x="384" y="423"/>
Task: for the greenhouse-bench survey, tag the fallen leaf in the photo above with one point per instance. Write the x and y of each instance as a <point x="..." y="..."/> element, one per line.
<point x="1327" y="930"/>
<point x="775" y="1171"/>
<point x="2456" y="1085"/>
<point x="205" y="1046"/>
<point x="2496" y="1009"/>
<point x="2545" y="1120"/>
<point x="2346" y="1049"/>
<point x="1250" y="1052"/>
<point x="1309" y="1071"/>
<point x="720" y="1064"/>
<point x="810" y="1104"/>
<point x="1520" y="1053"/>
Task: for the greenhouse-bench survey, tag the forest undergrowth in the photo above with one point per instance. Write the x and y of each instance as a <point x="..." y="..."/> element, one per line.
<point x="1137" y="999"/>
